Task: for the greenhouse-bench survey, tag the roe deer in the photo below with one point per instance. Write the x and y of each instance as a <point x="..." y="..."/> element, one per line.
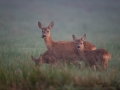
<point x="47" y="57"/>
<point x="63" y="49"/>
<point x="97" y="58"/>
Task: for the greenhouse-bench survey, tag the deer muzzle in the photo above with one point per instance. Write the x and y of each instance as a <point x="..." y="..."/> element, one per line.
<point x="78" y="46"/>
<point x="43" y="36"/>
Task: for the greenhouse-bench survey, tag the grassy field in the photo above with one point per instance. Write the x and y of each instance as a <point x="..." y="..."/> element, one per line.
<point x="20" y="38"/>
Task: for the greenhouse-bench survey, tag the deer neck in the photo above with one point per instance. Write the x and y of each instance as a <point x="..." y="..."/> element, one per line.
<point x="48" y="42"/>
<point x="81" y="53"/>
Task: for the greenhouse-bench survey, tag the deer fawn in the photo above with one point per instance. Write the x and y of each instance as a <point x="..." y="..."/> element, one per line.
<point x="47" y="57"/>
<point x="97" y="58"/>
<point x="63" y="49"/>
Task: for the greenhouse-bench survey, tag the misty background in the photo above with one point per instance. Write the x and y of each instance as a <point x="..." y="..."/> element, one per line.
<point x="96" y="18"/>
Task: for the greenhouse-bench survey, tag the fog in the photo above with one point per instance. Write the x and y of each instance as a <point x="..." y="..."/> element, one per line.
<point x="92" y="17"/>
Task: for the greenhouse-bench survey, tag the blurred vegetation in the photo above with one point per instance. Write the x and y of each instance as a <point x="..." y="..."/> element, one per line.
<point x="20" y="38"/>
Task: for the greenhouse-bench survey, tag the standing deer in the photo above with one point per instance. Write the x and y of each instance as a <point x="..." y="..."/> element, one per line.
<point x="63" y="49"/>
<point x="97" y="58"/>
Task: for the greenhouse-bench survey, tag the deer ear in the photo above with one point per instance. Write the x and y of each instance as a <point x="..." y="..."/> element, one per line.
<point x="84" y="37"/>
<point x="40" y="25"/>
<point x="51" y="25"/>
<point x="74" y="37"/>
<point x="33" y="58"/>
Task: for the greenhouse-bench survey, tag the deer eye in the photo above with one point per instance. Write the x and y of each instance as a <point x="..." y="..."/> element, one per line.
<point x="47" y="31"/>
<point x="80" y="43"/>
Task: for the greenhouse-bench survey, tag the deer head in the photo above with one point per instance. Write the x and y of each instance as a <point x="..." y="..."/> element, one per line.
<point x="79" y="42"/>
<point x="38" y="62"/>
<point x="45" y="30"/>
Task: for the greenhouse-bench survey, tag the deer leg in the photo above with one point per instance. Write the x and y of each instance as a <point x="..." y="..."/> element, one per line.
<point x="53" y="61"/>
<point x="105" y="65"/>
<point x="53" y="65"/>
<point x="76" y="63"/>
<point x="94" y="67"/>
<point x="86" y="64"/>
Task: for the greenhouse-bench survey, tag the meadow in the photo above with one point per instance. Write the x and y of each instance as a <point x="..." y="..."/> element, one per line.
<point x="20" y="38"/>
